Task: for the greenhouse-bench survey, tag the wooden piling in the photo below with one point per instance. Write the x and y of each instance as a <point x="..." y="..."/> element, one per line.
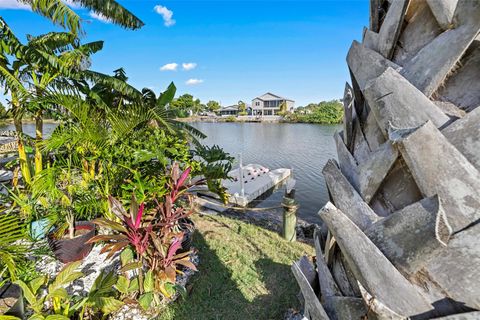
<point x="290" y="208"/>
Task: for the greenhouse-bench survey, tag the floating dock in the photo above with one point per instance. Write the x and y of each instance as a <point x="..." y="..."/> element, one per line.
<point x="255" y="180"/>
<point x="251" y="181"/>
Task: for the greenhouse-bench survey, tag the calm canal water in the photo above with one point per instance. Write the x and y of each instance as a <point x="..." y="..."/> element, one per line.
<point x="29" y="128"/>
<point x="305" y="148"/>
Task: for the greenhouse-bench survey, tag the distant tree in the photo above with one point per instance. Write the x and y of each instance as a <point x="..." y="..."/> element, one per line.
<point x="198" y="106"/>
<point x="213" y="105"/>
<point x="242" y="108"/>
<point x="182" y="105"/>
<point x="283" y="108"/>
<point x="300" y="109"/>
<point x="322" y="112"/>
<point x="185" y="105"/>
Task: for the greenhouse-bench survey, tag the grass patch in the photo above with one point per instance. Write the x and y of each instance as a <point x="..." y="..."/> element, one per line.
<point x="244" y="273"/>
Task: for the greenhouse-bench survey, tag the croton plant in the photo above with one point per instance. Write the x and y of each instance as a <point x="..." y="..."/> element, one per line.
<point x="148" y="239"/>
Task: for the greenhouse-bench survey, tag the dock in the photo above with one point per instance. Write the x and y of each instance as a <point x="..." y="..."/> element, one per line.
<point x="256" y="180"/>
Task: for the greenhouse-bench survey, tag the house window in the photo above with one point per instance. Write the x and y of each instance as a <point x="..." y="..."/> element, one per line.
<point x="257" y="103"/>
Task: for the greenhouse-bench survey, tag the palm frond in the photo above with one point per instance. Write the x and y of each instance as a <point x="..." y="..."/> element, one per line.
<point x="192" y="131"/>
<point x="57" y="12"/>
<point x="9" y="43"/>
<point x="112" y="11"/>
<point x="112" y="82"/>
<point x="11" y="82"/>
<point x="11" y="230"/>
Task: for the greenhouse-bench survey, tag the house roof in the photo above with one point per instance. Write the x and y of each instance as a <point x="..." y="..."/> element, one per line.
<point x="229" y="108"/>
<point x="270" y="96"/>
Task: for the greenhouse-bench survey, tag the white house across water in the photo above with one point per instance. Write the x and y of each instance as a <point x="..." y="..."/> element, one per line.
<point x="270" y="104"/>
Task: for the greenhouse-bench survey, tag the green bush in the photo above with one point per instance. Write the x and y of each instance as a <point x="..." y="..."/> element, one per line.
<point x="325" y="112"/>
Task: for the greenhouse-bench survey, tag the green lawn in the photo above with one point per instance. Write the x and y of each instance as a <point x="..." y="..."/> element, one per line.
<point x="244" y="273"/>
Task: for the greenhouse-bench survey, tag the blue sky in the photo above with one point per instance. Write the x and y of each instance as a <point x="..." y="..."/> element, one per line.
<point x="239" y="49"/>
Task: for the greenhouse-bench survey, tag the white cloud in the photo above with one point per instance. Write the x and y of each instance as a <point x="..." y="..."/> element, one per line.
<point x="169" y="67"/>
<point x="13" y="4"/>
<point x="166" y="14"/>
<point x="189" y="66"/>
<point x="192" y="82"/>
<point x="99" y="17"/>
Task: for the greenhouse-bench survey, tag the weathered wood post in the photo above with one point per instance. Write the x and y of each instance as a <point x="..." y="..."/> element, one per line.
<point x="290" y="207"/>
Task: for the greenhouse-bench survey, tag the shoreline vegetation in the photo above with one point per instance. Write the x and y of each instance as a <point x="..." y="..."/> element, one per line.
<point x="324" y="112"/>
<point x="231" y="119"/>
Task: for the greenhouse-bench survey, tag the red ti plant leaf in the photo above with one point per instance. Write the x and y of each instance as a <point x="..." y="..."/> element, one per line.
<point x="130" y="232"/>
<point x="177" y="244"/>
<point x="183" y="177"/>
<point x="187" y="263"/>
<point x="116" y="207"/>
<point x="110" y="224"/>
<point x="138" y="219"/>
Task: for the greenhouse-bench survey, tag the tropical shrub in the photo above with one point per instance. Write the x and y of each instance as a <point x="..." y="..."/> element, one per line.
<point x="148" y="240"/>
<point x="56" y="303"/>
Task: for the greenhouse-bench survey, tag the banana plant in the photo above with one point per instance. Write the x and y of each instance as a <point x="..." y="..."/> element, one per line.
<point x="61" y="13"/>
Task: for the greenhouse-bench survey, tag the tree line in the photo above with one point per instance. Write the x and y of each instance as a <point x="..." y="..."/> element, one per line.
<point x="327" y="112"/>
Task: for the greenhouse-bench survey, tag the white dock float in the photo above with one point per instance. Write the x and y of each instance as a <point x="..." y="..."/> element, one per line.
<point x="256" y="181"/>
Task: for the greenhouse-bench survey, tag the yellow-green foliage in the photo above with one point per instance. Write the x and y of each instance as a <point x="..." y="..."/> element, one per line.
<point x="230" y="119"/>
<point x="327" y="112"/>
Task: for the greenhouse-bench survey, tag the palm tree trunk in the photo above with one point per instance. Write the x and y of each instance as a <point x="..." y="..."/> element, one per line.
<point x="17" y="122"/>
<point x="38" y="140"/>
<point x="22" y="154"/>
